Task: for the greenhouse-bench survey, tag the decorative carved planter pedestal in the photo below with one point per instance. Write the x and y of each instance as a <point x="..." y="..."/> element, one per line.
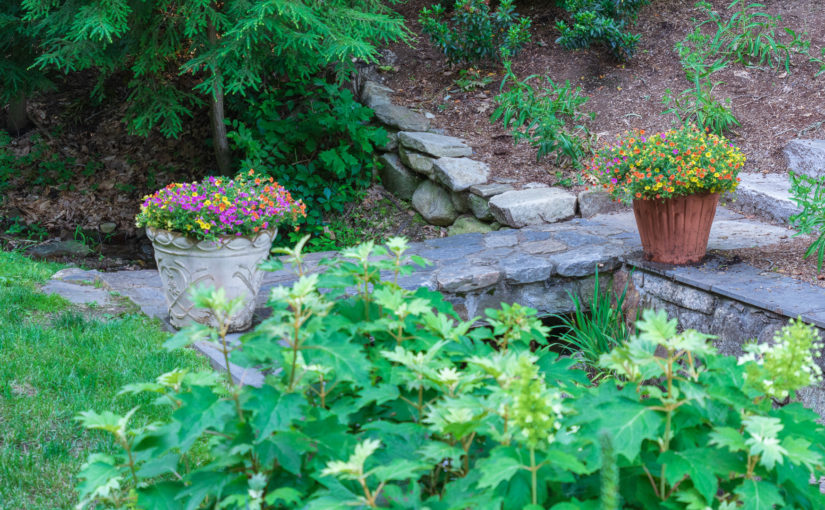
<point x="229" y="262"/>
<point x="676" y="230"/>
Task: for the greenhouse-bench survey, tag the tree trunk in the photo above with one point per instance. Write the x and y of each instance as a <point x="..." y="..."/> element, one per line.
<point x="17" y="120"/>
<point x="219" y="139"/>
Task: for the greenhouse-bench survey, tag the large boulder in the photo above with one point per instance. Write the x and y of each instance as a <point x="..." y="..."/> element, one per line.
<point x="480" y="207"/>
<point x="418" y="162"/>
<point x="806" y="157"/>
<point x="434" y="204"/>
<point x="533" y="206"/>
<point x="435" y="145"/>
<point x="467" y="224"/>
<point x="459" y="174"/>
<point x="396" y="177"/>
<point x="374" y="94"/>
<point x="400" y="118"/>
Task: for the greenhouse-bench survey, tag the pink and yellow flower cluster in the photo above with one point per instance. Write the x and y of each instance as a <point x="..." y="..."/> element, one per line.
<point x="218" y="206"/>
<point x="678" y="162"/>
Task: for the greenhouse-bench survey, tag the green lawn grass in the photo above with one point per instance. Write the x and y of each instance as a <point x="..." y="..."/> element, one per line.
<point x="56" y="361"/>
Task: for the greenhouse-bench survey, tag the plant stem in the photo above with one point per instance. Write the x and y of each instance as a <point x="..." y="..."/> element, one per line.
<point x="533" y="472"/>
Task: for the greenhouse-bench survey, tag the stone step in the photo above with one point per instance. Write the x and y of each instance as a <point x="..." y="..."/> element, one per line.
<point x="806" y="157"/>
<point x="766" y="196"/>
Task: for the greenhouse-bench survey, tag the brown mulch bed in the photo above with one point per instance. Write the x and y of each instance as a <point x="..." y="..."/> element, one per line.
<point x="772" y="105"/>
<point x="787" y="258"/>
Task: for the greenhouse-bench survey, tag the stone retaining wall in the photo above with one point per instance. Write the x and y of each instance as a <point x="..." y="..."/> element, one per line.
<point x="450" y="189"/>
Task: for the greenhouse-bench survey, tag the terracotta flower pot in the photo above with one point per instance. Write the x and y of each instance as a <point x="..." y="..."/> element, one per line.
<point x="676" y="230"/>
<point x="228" y="262"/>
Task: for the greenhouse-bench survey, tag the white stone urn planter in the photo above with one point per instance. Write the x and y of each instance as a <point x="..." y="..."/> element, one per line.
<point x="229" y="262"/>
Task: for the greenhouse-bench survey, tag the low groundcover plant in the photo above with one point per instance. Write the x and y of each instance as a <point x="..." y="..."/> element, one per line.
<point x="381" y="397"/>
<point x="218" y="206"/>
<point x="678" y="162"/>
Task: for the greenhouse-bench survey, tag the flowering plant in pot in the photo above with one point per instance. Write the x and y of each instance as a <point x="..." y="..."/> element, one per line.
<point x="215" y="233"/>
<point x="673" y="179"/>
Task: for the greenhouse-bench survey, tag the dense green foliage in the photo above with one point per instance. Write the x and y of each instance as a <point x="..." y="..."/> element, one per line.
<point x="595" y="327"/>
<point x="18" y="46"/>
<point x="809" y="195"/>
<point x="257" y="43"/>
<point x="474" y="33"/>
<point x="382" y="397"/>
<point x="601" y="22"/>
<point x="315" y="141"/>
<point x="548" y="116"/>
<point x="747" y="36"/>
<point x="58" y="361"/>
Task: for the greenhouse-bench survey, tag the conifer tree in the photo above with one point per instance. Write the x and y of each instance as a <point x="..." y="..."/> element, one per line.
<point x="228" y="47"/>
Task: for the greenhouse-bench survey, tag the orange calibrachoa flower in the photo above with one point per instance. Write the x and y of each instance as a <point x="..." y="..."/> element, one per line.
<point x="678" y="162"/>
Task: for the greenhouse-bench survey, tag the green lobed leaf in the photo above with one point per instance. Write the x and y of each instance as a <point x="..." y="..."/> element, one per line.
<point x="758" y="495"/>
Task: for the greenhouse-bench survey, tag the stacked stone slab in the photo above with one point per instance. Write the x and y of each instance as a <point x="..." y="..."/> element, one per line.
<point x="447" y="187"/>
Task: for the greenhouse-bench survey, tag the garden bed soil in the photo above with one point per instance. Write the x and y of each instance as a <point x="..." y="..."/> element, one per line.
<point x="773" y="106"/>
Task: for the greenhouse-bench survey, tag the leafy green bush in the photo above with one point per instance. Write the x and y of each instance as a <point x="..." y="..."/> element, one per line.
<point x="381" y="397"/>
<point x="595" y="328"/>
<point x="601" y="22"/>
<point x="697" y="104"/>
<point x="315" y="141"/>
<point x="474" y="33"/>
<point x="749" y="36"/>
<point x="809" y="195"/>
<point x="550" y="118"/>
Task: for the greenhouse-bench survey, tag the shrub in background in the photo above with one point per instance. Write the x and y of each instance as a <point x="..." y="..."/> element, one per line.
<point x="377" y="396"/>
<point x="548" y="116"/>
<point x="601" y="22"/>
<point x="315" y="140"/>
<point x="474" y="33"/>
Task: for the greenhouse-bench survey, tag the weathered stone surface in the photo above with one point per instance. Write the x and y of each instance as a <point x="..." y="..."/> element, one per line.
<point x="462" y="278"/>
<point x="806" y="157"/>
<point x="434" y="204"/>
<point x="500" y="239"/>
<point x="460" y="201"/>
<point x="58" y="249"/>
<point x="681" y="295"/>
<point x="107" y="227"/>
<point x="418" y="162"/>
<point x="765" y="195"/>
<point x="586" y="260"/>
<point x="541" y="247"/>
<point x="593" y="202"/>
<point x="374" y="94"/>
<point x="534" y="185"/>
<point x="400" y="118"/>
<point x="435" y="145"/>
<point x="467" y="224"/>
<point x="733" y="235"/>
<point x="533" y="206"/>
<point x="521" y="269"/>
<point x="78" y="294"/>
<point x="392" y="142"/>
<point x="76" y="274"/>
<point x="480" y="207"/>
<point x="490" y="189"/>
<point x="396" y="177"/>
<point x="459" y="174"/>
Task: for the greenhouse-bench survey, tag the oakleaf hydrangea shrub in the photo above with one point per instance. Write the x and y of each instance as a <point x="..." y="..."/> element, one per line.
<point x="474" y="33"/>
<point x="379" y="397"/>
<point x="602" y="22"/>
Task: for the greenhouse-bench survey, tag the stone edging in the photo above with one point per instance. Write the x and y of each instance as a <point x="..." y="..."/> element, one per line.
<point x="448" y="188"/>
